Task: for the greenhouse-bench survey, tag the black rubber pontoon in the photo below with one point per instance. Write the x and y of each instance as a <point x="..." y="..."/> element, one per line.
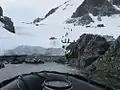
<point x="34" y="81"/>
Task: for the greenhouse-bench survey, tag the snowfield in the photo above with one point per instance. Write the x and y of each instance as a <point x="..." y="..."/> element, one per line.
<point x="39" y="35"/>
<point x="53" y="26"/>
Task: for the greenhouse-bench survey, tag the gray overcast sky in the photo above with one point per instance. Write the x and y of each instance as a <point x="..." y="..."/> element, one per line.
<point x="20" y="10"/>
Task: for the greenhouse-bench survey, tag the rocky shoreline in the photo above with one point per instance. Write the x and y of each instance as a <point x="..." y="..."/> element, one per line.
<point x="97" y="58"/>
<point x="19" y="59"/>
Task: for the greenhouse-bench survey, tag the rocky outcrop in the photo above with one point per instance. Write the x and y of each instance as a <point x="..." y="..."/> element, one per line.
<point x="37" y="20"/>
<point x="109" y="38"/>
<point x="2" y="65"/>
<point x="107" y="66"/>
<point x="88" y="48"/>
<point x="83" y="20"/>
<point x="1" y="11"/>
<point x="98" y="58"/>
<point x="33" y="59"/>
<point x="53" y="10"/>
<point x="96" y="7"/>
<point x="116" y="2"/>
<point x="8" y="24"/>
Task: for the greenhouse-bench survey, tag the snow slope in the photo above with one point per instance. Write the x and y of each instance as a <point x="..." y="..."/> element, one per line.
<point x="54" y="26"/>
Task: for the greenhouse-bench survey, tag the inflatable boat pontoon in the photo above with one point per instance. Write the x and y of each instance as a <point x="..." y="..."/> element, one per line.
<point x="38" y="80"/>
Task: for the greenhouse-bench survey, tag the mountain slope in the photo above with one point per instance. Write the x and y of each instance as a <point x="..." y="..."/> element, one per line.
<point x="55" y="26"/>
<point x="34" y="50"/>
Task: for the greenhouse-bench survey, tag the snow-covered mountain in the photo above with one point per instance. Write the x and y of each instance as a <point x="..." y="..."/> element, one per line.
<point x="64" y="20"/>
<point x="34" y="50"/>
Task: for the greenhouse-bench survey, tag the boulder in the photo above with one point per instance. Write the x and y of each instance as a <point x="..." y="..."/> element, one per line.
<point x="16" y="60"/>
<point x="100" y="25"/>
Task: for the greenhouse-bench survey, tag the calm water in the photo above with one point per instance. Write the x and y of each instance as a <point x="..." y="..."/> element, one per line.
<point x="12" y="70"/>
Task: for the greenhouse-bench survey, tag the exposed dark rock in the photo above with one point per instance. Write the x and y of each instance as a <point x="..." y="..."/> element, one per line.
<point x="88" y="26"/>
<point x="52" y="38"/>
<point x="8" y="24"/>
<point x="102" y="65"/>
<point x="116" y="2"/>
<point x="107" y="66"/>
<point x="88" y="48"/>
<point x="86" y="61"/>
<point x="16" y="60"/>
<point x="84" y="20"/>
<point x="100" y="25"/>
<point x="96" y="7"/>
<point x="2" y="65"/>
<point x="1" y="11"/>
<point x="37" y="24"/>
<point x="34" y="60"/>
<point x="72" y="20"/>
<point x="37" y="20"/>
<point x="51" y="12"/>
<point x="109" y="38"/>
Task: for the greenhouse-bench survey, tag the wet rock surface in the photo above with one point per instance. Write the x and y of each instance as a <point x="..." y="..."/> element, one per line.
<point x="107" y="66"/>
<point x="101" y="65"/>
<point x="19" y="59"/>
<point x="88" y="48"/>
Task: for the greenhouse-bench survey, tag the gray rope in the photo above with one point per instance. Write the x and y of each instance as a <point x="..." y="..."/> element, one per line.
<point x="18" y="84"/>
<point x="22" y="79"/>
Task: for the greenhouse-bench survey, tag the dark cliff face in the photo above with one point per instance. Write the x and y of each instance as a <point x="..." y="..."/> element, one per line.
<point x="88" y="48"/>
<point x="107" y="66"/>
<point x="96" y="7"/>
<point x="51" y="12"/>
<point x="1" y="11"/>
<point x="97" y="43"/>
<point x="8" y="24"/>
<point x="103" y="64"/>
